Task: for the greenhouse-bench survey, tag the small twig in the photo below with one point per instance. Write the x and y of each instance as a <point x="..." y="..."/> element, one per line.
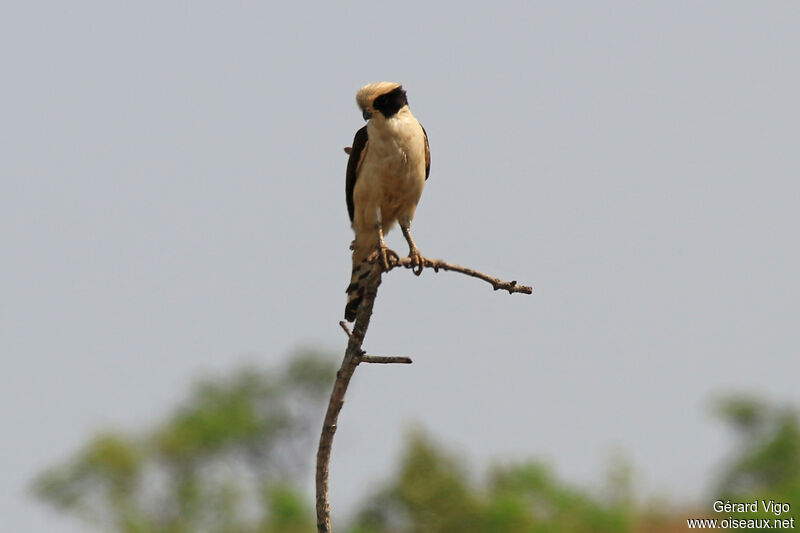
<point x="386" y="359"/>
<point x="346" y="329"/>
<point x="354" y="355"/>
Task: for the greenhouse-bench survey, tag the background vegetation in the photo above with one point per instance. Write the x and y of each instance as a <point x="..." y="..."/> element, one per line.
<point x="229" y="459"/>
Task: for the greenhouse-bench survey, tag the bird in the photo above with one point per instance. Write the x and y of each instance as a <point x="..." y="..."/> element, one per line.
<point x="389" y="163"/>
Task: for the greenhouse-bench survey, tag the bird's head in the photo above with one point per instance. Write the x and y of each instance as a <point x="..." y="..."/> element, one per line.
<point x="384" y="97"/>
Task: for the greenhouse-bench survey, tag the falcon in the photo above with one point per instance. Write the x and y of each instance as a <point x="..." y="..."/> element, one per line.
<point x="389" y="163"/>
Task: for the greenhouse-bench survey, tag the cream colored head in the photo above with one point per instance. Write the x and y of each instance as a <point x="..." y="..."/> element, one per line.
<point x="367" y="94"/>
<point x="390" y="95"/>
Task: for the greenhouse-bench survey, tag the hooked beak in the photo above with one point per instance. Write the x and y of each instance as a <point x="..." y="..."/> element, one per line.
<point x="366" y="114"/>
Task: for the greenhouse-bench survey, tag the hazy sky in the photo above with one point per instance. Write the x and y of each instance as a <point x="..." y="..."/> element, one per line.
<point x="172" y="203"/>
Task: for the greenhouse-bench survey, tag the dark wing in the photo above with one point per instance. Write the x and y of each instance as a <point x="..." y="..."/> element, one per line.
<point x="427" y="154"/>
<point x="357" y="153"/>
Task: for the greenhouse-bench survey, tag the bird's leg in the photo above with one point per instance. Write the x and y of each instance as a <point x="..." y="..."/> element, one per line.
<point x="383" y="250"/>
<point x="413" y="251"/>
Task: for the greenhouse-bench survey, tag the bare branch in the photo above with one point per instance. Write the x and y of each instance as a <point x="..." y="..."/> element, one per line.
<point x="354" y="355"/>
<point x="386" y="359"/>
<point x="437" y="264"/>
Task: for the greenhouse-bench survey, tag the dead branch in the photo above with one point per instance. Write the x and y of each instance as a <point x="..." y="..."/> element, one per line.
<point x="437" y="264"/>
<point x="354" y="355"/>
<point x="386" y="359"/>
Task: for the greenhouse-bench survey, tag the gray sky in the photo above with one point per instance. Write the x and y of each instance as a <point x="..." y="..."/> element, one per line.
<point x="171" y="204"/>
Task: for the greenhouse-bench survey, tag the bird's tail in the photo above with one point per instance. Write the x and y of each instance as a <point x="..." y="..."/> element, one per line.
<point x="355" y="291"/>
<point x="362" y="246"/>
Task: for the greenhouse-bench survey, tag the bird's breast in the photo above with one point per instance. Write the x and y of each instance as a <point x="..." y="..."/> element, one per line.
<point x="398" y="148"/>
<point x="392" y="175"/>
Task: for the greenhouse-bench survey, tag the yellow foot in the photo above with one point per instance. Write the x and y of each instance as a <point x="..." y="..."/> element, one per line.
<point x="386" y="256"/>
<point x="416" y="261"/>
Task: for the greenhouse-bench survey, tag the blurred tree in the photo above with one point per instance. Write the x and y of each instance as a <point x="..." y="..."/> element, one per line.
<point x="223" y="462"/>
<point x="229" y="458"/>
<point x="765" y="464"/>
<point x="431" y="493"/>
<point x="767" y="456"/>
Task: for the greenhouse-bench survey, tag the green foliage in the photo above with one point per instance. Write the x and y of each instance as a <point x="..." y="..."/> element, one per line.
<point x="221" y="414"/>
<point x="766" y="463"/>
<point x="223" y="462"/>
<point x="228" y="458"/>
<point x="288" y="513"/>
<point x="768" y="454"/>
<point x="552" y="505"/>
<point x="431" y="493"/>
<point x="109" y="464"/>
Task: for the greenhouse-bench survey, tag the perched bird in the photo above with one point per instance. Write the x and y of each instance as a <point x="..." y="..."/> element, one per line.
<point x="389" y="163"/>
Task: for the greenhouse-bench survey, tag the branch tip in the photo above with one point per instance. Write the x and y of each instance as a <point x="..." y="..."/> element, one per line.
<point x="346" y="329"/>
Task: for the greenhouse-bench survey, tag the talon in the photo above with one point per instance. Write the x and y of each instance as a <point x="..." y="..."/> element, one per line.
<point x="394" y="258"/>
<point x="384" y="259"/>
<point x="387" y="257"/>
<point x="417" y="263"/>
